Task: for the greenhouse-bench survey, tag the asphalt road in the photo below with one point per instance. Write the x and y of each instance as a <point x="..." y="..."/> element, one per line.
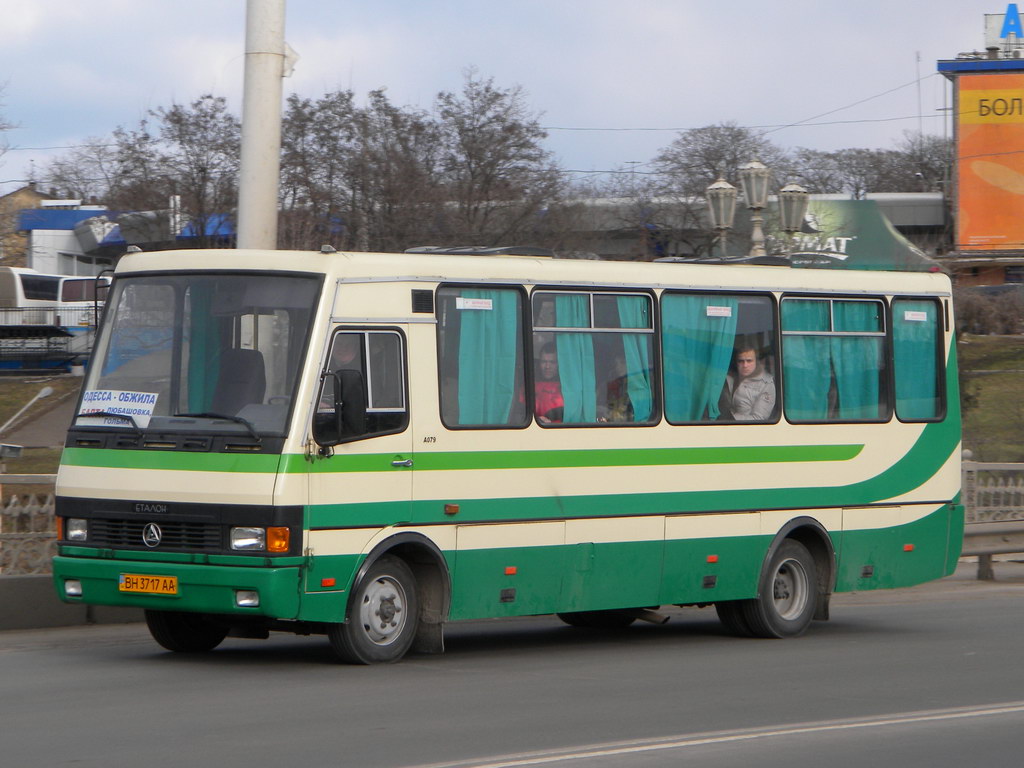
<point x="924" y="677"/>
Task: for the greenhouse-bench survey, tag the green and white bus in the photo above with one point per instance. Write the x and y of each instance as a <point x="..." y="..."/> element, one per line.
<point x="370" y="445"/>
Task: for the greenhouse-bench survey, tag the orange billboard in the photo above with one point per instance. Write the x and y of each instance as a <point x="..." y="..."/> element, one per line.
<point x="990" y="162"/>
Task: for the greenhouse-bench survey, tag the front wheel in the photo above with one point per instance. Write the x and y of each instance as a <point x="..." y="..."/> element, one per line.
<point x="382" y="615"/>
<point x="184" y="632"/>
<point x="784" y="606"/>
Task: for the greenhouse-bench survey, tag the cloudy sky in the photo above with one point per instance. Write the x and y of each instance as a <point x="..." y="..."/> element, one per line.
<point x="612" y="80"/>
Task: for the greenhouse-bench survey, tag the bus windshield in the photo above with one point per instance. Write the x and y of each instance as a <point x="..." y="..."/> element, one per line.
<point x="200" y="352"/>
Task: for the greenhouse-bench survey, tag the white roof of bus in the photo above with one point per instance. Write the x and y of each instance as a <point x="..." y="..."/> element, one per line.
<point x="535" y="270"/>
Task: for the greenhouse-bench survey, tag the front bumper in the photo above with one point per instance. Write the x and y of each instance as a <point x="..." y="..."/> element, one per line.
<point x="201" y="588"/>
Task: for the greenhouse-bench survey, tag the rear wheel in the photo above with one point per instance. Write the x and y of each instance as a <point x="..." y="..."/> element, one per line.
<point x="612" y="619"/>
<point x="382" y="615"/>
<point x="785" y="603"/>
<point x="184" y="632"/>
<point x="730" y="613"/>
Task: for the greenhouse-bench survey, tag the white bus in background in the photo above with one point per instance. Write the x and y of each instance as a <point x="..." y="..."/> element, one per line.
<point x="28" y="297"/>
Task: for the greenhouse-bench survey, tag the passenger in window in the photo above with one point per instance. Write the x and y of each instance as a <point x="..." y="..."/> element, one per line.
<point x="617" y="405"/>
<point x="749" y="392"/>
<point x="346" y="355"/>
<point x="548" y="405"/>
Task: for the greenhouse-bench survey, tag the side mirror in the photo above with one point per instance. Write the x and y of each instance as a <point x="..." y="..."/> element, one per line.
<point x="341" y="414"/>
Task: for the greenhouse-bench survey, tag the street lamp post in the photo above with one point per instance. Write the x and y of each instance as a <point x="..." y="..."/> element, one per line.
<point x="754" y="177"/>
<point x="721" y="209"/>
<point x="754" y="180"/>
<point x="793" y="202"/>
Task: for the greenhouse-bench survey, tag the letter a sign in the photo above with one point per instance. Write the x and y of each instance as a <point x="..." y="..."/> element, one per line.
<point x="1011" y="23"/>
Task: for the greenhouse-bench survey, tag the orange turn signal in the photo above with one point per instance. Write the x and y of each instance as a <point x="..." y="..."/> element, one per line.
<point x="278" y="539"/>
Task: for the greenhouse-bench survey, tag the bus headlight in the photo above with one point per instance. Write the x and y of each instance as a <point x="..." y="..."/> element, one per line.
<point x="247" y="537"/>
<point x="76" y="529"/>
<point x="257" y="539"/>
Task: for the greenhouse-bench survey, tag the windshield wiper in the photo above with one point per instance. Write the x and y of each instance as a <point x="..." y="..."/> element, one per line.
<point x="237" y="419"/>
<point x="110" y="414"/>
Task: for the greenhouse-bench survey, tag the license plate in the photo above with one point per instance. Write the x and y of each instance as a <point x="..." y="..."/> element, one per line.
<point x="148" y="585"/>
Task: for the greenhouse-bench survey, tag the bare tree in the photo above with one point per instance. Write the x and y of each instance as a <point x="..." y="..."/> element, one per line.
<point x="200" y="158"/>
<point x="186" y="152"/>
<point x="496" y="174"/>
<point x="700" y="156"/>
<point x="919" y="163"/>
<point x="318" y="141"/>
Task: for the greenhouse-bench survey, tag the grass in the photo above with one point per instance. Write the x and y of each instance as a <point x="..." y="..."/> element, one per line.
<point x="993" y="382"/>
<point x="15" y="393"/>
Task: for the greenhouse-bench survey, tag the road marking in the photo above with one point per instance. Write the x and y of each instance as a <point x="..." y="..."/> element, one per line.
<point x="611" y="749"/>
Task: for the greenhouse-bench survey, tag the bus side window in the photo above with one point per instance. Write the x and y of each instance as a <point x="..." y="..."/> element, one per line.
<point x="834" y="359"/>
<point x="366" y="370"/>
<point x="594" y="358"/>
<point x="480" y="357"/>
<point x="719" y="351"/>
<point x="917" y="359"/>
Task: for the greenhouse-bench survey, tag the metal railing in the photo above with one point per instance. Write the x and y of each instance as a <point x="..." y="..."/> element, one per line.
<point x="993" y="496"/>
<point x="55" y="316"/>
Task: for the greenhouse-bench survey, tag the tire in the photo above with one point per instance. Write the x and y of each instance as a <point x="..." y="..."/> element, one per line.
<point x="785" y="603"/>
<point x="614" y="619"/>
<point x="184" y="632"/>
<point x="383" y="614"/>
<point x="731" y="614"/>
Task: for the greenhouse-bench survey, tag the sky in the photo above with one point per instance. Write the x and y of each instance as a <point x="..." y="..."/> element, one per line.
<point x="613" y="82"/>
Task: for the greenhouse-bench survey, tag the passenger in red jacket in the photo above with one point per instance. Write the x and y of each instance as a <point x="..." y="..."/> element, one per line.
<point x="548" y="404"/>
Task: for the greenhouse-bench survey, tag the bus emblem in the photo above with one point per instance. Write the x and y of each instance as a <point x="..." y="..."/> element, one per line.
<point x="151" y="535"/>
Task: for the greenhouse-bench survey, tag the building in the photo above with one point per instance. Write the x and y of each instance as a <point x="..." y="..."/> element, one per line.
<point x="13" y="242"/>
<point x="988" y="134"/>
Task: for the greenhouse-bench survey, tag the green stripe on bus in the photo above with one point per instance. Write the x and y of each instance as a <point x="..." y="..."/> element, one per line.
<point x="170" y="460"/>
<point x="577" y="459"/>
<point x="468" y="460"/>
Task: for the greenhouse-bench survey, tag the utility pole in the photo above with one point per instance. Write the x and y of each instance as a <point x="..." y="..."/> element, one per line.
<point x="265" y="66"/>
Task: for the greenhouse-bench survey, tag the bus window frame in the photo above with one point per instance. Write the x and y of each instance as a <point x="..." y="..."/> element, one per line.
<point x="889" y="388"/>
<point x="776" y="339"/>
<point x="364" y="331"/>
<point x="657" y="412"/>
<point x="526" y="372"/>
<point x="941" y="332"/>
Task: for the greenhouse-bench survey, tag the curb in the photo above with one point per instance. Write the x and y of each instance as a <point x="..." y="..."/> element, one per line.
<point x="30" y="602"/>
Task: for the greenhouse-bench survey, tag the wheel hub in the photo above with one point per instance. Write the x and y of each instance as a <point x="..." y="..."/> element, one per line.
<point x="382" y="612"/>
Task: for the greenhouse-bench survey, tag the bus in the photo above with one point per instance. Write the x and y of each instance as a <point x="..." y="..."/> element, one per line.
<point x="28" y="297"/>
<point x="370" y="446"/>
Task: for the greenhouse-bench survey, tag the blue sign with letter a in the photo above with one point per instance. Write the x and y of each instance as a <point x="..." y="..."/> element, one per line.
<point x="1011" y="23"/>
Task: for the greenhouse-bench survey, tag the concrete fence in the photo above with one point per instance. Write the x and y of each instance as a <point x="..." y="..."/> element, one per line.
<point x="28" y="541"/>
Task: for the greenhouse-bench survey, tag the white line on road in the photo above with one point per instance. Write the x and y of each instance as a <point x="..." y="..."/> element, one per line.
<point x="612" y="749"/>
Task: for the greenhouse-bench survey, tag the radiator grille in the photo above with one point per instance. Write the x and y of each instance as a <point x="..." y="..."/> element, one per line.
<point x="187" y="537"/>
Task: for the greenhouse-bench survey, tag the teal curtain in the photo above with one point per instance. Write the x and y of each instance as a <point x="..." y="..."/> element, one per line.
<point x="203" y="347"/>
<point x="806" y="360"/>
<point x="634" y="312"/>
<point x="857" y="361"/>
<point x="915" y="331"/>
<point x="488" y="348"/>
<point x="576" y="360"/>
<point x="698" y="333"/>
